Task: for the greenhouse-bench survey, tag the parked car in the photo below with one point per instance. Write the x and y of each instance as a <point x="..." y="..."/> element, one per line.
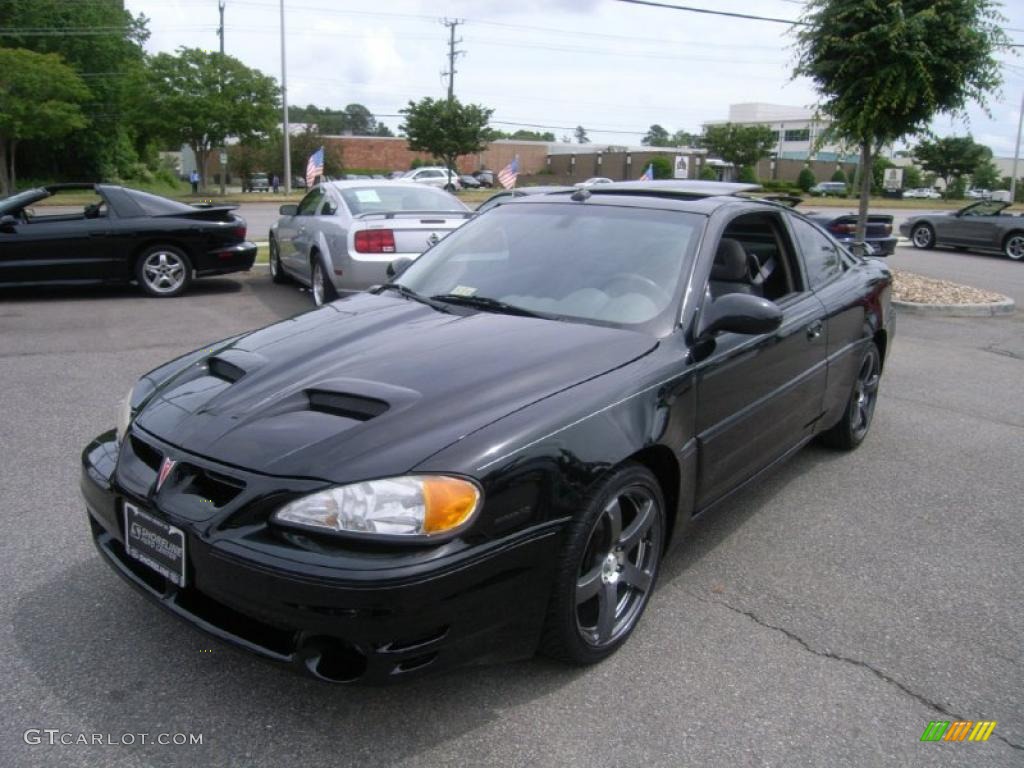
<point x="485" y="177"/>
<point x="508" y="195"/>
<point x="826" y="188"/>
<point x="493" y="452"/>
<point x="257" y="182"/>
<point x="926" y="193"/>
<point x="437" y="176"/>
<point x="595" y="180"/>
<point x="843" y="226"/>
<point x="469" y="182"/>
<point x="981" y="226"/>
<point x="978" y="194"/>
<point x="299" y="182"/>
<point x="343" y="234"/>
<point x="123" y="235"/>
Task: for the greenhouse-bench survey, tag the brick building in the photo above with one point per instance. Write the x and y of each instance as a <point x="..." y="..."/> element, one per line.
<point x="393" y="154"/>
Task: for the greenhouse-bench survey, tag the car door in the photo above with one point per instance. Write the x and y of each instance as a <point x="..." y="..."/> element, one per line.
<point x="837" y="281"/>
<point x="977" y="226"/>
<point x="59" y="245"/>
<point x="759" y="396"/>
<point x="302" y="235"/>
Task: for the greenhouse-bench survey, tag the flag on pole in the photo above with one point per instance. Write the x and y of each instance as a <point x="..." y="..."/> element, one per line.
<point x="314" y="167"/>
<point x="648" y="174"/>
<point x="507" y="175"/>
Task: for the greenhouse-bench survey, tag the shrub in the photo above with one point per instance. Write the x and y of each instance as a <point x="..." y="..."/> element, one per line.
<point x="663" y="168"/>
<point x="806" y="179"/>
<point x="747" y="175"/>
<point x="707" y="173"/>
<point x="839" y="175"/>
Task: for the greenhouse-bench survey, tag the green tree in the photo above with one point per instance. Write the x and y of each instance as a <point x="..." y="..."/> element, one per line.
<point x="747" y="175"/>
<point x="40" y="98"/>
<point x="663" y="167"/>
<point x="912" y="177"/>
<point x="581" y="135"/>
<point x="524" y="135"/>
<point x="707" y="173"/>
<point x="200" y="98"/>
<point x="806" y="179"/>
<point x="951" y="157"/>
<point x="839" y="175"/>
<point x="446" y="128"/>
<point x="739" y="144"/>
<point x="938" y="57"/>
<point x="985" y="175"/>
<point x="686" y="139"/>
<point x="656" y="137"/>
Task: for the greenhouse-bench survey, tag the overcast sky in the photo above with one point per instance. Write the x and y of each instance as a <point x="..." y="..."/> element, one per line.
<point x="612" y="67"/>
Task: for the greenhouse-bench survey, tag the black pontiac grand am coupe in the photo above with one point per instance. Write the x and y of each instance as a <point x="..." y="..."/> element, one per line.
<point x="492" y="453"/>
<point x="121" y="235"/>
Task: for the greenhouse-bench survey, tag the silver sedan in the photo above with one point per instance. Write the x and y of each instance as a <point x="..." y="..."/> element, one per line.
<point x="343" y="234"/>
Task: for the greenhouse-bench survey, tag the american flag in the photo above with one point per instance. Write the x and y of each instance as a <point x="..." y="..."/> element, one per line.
<point x="507" y="175"/>
<point x="648" y="174"/>
<point x="314" y="167"/>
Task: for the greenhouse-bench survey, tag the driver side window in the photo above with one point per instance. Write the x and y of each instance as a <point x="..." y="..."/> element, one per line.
<point x="755" y="256"/>
<point x="310" y="202"/>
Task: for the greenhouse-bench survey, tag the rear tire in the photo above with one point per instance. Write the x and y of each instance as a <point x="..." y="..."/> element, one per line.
<point x="607" y="569"/>
<point x="320" y="284"/>
<point x="1013" y="246"/>
<point x="163" y="271"/>
<point x="277" y="273"/>
<point x="853" y="427"/>
<point x="923" y="237"/>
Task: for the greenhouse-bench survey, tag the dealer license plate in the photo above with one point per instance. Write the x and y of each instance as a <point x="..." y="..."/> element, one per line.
<point x="155" y="543"/>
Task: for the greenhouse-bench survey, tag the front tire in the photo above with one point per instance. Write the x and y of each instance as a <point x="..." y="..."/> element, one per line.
<point x="853" y="427"/>
<point x="320" y="284"/>
<point x="277" y="273"/>
<point x="163" y="271"/>
<point x="607" y="569"/>
<point x="1014" y="246"/>
<point x="922" y="236"/>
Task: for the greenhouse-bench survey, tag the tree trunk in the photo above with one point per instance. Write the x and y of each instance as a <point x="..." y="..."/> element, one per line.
<point x="200" y="165"/>
<point x="5" y="181"/>
<point x="865" y="194"/>
<point x="13" y="180"/>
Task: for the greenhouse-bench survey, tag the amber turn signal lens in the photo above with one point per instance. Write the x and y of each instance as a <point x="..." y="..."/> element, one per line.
<point x="449" y="503"/>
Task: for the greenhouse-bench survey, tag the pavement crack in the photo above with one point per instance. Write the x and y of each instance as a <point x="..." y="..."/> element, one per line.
<point x="848" y="660"/>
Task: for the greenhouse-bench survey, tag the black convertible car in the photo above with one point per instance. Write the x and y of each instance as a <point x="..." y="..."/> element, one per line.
<point x="121" y="235"/>
<point x="492" y="452"/>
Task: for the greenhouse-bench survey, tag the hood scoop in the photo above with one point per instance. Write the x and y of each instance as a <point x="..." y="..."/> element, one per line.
<point x="232" y="364"/>
<point x="347" y="406"/>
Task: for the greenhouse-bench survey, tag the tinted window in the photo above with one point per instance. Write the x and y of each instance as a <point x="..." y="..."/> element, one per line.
<point x="309" y="203"/>
<point x="388" y="197"/>
<point x="821" y="257"/>
<point x="154" y="205"/>
<point x="599" y="263"/>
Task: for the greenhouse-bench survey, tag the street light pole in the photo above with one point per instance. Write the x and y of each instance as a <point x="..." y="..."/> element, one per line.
<point x="1016" y="154"/>
<point x="284" y="105"/>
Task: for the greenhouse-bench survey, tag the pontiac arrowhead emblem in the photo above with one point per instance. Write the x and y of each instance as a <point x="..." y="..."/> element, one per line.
<point x="165" y="470"/>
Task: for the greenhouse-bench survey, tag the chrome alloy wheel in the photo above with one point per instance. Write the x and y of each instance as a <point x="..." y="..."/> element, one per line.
<point x="865" y="395"/>
<point x="618" y="567"/>
<point x="164" y="271"/>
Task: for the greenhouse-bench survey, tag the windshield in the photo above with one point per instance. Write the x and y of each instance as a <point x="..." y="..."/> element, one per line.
<point x="21" y="199"/>
<point x="598" y="263"/>
<point x="387" y="197"/>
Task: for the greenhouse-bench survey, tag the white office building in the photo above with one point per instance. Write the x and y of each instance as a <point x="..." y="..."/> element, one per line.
<point x="798" y="129"/>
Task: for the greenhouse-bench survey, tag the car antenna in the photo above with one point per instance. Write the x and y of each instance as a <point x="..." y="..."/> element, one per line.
<point x="580" y="194"/>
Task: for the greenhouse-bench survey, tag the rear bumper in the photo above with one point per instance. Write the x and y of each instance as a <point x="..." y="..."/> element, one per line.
<point x="883" y="245"/>
<point x="235" y="258"/>
<point x="337" y="626"/>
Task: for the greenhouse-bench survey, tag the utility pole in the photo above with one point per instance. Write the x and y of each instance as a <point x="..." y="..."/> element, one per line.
<point x="284" y="106"/>
<point x="452" y="53"/>
<point x="1016" y="155"/>
<point x="220" y="29"/>
<point x="223" y="149"/>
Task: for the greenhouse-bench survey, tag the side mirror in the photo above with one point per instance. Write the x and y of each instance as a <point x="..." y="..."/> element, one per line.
<point x="740" y="313"/>
<point x="397" y="267"/>
<point x="288" y="210"/>
<point x="8" y="224"/>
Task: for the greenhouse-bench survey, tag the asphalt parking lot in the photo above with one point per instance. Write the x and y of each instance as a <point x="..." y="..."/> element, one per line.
<point x="823" y="618"/>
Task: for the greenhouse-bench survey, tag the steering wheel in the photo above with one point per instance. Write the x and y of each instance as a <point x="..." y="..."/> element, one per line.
<point x="648" y="287"/>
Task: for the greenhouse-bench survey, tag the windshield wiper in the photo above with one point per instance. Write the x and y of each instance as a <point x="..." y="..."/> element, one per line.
<point x="486" y="303"/>
<point x="409" y="293"/>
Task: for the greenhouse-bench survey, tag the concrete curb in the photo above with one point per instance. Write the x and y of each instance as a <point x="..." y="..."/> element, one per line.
<point x="993" y="309"/>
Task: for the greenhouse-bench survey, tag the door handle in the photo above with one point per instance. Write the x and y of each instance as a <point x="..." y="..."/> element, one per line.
<point x="814" y="329"/>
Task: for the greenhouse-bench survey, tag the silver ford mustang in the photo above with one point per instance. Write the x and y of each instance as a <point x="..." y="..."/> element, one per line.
<point x="981" y="226"/>
<point x="343" y="234"/>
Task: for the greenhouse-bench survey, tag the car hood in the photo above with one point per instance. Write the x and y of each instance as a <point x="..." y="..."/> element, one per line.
<point x="371" y="386"/>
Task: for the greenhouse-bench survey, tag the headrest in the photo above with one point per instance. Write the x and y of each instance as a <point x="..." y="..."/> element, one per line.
<point x="731" y="263"/>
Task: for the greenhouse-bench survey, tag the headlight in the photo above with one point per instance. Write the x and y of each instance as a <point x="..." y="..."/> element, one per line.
<point x="124" y="415"/>
<point x="412" y="506"/>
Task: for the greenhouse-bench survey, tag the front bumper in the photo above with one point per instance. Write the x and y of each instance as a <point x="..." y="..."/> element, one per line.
<point x="484" y="603"/>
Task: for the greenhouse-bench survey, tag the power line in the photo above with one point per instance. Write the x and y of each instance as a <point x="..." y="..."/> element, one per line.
<point x="731" y="14"/>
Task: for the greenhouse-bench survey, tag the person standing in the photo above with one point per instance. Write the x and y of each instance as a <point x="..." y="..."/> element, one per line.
<point x="194" y="178"/>
<point x="275" y="182"/>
